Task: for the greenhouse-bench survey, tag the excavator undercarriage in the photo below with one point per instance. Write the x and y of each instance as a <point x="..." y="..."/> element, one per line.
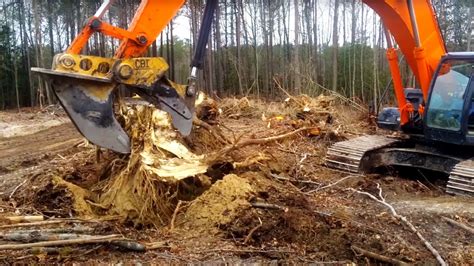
<point x="368" y="153"/>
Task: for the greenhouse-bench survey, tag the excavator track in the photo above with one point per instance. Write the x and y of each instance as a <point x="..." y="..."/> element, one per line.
<point x="461" y="179"/>
<point x="347" y="155"/>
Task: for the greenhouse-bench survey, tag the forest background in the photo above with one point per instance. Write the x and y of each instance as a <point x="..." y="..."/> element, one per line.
<point x="257" y="48"/>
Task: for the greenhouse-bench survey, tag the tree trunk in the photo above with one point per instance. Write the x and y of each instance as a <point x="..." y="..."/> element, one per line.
<point x="237" y="42"/>
<point x="362" y="29"/>
<point x="335" y="46"/>
<point x="38" y="45"/>
<point x="315" y="42"/>
<point x="296" y="59"/>
<point x="172" y="59"/>
<point x="15" y="73"/>
<point x="26" y="50"/>
<point x="470" y="34"/>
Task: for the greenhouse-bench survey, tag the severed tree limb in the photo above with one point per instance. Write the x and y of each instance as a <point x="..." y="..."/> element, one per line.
<point x="378" y="256"/>
<point x="79" y="241"/>
<point x="458" y="224"/>
<point x="381" y="200"/>
<point x="247" y="238"/>
<point x="40" y="236"/>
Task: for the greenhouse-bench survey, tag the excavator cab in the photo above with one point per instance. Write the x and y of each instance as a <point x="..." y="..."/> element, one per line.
<point x="449" y="113"/>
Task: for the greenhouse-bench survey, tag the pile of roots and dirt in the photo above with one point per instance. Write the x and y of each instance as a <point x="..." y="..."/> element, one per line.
<point x="145" y="186"/>
<point x="165" y="168"/>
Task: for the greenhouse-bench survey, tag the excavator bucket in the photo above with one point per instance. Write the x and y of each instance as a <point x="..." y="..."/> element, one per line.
<point x="89" y="104"/>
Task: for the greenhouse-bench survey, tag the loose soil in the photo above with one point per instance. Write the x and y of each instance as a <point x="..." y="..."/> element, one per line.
<point x="301" y="223"/>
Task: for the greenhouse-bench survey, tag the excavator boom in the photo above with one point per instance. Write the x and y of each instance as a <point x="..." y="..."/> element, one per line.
<point x="414" y="26"/>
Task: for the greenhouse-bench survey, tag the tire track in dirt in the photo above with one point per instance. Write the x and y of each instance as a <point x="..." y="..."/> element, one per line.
<point x="23" y="156"/>
<point x="23" y="149"/>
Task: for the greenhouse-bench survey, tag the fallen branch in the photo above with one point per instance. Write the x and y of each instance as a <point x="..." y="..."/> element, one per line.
<point x="287" y="93"/>
<point x="38" y="236"/>
<point x="427" y="181"/>
<point x="249" y="236"/>
<point x="48" y="222"/>
<point x="79" y="241"/>
<point x="77" y="230"/>
<point x="381" y="200"/>
<point x="332" y="184"/>
<point x="378" y="256"/>
<point x="264" y="205"/>
<point x="459" y="224"/>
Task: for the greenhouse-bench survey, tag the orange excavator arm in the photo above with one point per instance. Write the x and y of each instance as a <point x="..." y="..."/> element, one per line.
<point x="414" y="26"/>
<point x="149" y="21"/>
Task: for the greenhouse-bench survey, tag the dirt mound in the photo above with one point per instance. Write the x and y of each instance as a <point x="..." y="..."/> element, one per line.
<point x="220" y="205"/>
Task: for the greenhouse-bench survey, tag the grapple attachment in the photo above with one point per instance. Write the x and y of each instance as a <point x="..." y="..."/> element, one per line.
<point x="86" y="92"/>
<point x="84" y="84"/>
<point x="89" y="105"/>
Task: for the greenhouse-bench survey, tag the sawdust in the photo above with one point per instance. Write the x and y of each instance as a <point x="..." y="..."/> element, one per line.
<point x="220" y="205"/>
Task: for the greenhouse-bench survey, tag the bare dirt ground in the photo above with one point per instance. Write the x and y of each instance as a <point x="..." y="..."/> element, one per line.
<point x="306" y="217"/>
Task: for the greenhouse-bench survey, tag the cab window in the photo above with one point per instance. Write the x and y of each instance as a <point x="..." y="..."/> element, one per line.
<point x="447" y="98"/>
